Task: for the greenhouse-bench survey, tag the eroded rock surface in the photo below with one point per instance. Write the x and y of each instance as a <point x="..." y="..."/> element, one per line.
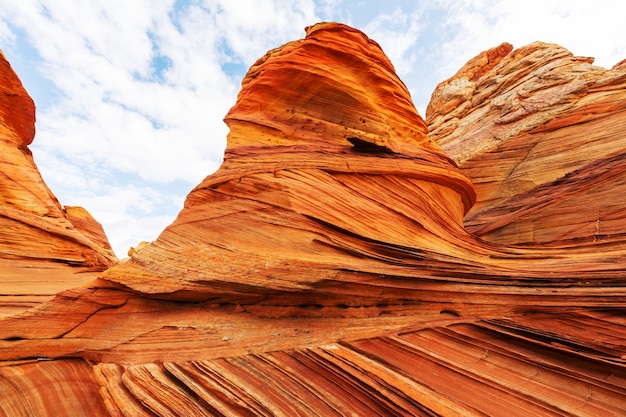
<point x="541" y="133"/>
<point x="41" y="251"/>
<point x="325" y="268"/>
<point x="306" y="180"/>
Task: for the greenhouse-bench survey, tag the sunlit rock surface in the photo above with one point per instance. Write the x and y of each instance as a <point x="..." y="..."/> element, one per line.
<point x="308" y="180"/>
<point x="41" y="250"/>
<point x="542" y="135"/>
<point x="325" y="268"/>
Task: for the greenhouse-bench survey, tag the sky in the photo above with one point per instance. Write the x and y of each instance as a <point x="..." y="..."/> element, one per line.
<point x="130" y="94"/>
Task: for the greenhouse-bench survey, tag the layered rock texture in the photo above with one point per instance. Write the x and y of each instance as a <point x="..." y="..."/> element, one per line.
<point x="347" y="259"/>
<point x="539" y="132"/>
<point x="44" y="247"/>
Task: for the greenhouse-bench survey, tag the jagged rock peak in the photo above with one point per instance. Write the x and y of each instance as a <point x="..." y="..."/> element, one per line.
<point x="507" y="86"/>
<point x="17" y="110"/>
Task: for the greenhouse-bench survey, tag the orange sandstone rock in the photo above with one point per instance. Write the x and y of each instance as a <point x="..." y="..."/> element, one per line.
<point x="41" y="252"/>
<point x="84" y="223"/>
<point x="325" y="270"/>
<point x="49" y="388"/>
<point x="540" y="133"/>
<point x="304" y="93"/>
<point x="306" y="179"/>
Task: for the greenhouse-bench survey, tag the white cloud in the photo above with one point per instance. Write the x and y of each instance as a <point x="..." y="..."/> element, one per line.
<point x="585" y="28"/>
<point x="251" y="27"/>
<point x="331" y="10"/>
<point x="397" y="33"/>
<point x="6" y="35"/>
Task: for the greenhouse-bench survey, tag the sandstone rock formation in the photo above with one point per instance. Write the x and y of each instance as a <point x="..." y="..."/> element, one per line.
<point x="41" y="250"/>
<point x="538" y="131"/>
<point x="325" y="268"/>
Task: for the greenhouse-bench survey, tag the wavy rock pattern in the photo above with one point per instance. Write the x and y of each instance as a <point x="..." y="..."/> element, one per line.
<point x="547" y="156"/>
<point x="304" y="176"/>
<point x="325" y="268"/>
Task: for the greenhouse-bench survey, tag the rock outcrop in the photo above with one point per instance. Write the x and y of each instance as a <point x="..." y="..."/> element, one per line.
<point x="41" y="250"/>
<point x="325" y="268"/>
<point x="539" y="132"/>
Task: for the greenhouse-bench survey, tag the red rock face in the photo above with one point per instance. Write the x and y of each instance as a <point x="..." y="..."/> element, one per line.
<point x="325" y="268"/>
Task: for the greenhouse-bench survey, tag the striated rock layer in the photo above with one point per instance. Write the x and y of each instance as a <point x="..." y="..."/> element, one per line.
<point x="541" y="133"/>
<point x="325" y="268"/>
<point x="43" y="247"/>
<point x="304" y="177"/>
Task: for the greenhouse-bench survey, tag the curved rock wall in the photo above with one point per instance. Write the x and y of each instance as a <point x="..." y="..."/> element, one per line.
<point x="326" y="159"/>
